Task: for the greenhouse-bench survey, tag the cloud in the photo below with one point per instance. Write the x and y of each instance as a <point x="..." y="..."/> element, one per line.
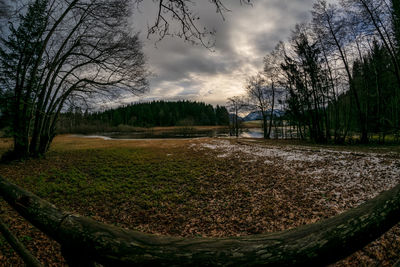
<point x="248" y="33"/>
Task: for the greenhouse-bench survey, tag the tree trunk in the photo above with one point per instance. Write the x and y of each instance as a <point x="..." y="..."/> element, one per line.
<point x="21" y="141"/>
<point x="17" y="245"/>
<point x="320" y="243"/>
<point x="265" y="127"/>
<point x="236" y="123"/>
<point x="361" y="116"/>
<point x="272" y="110"/>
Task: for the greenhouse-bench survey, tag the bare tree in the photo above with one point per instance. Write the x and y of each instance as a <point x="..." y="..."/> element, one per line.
<point x="262" y="98"/>
<point x="178" y="18"/>
<point x="4" y="9"/>
<point x="333" y="31"/>
<point x="235" y="105"/>
<point x="379" y="15"/>
<point x="396" y="22"/>
<point x="274" y="76"/>
<point x="379" y="19"/>
<point x="61" y="50"/>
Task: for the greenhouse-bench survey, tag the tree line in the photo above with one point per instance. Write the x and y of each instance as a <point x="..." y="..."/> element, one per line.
<point x="340" y="73"/>
<point x="151" y="114"/>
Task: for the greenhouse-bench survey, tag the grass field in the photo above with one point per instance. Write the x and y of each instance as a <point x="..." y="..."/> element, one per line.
<point x="202" y="187"/>
<point x="252" y="124"/>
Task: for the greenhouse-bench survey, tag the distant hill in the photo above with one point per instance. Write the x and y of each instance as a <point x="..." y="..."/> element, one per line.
<point x="232" y="116"/>
<point x="253" y="116"/>
<point x="256" y="115"/>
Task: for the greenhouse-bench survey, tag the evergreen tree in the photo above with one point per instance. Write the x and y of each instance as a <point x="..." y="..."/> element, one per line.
<point x="19" y="59"/>
<point x="161" y="113"/>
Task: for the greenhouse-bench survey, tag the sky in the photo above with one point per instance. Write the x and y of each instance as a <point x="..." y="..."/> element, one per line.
<point x="184" y="71"/>
<point x="181" y="70"/>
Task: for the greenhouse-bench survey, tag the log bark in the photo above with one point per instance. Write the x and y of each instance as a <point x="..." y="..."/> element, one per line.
<point x="320" y="243"/>
<point x="26" y="256"/>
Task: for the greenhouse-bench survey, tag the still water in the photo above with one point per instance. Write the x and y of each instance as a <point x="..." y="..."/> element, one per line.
<point x="179" y="133"/>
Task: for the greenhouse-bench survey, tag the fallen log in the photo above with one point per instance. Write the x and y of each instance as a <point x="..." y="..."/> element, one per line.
<point x="17" y="245"/>
<point x="321" y="243"/>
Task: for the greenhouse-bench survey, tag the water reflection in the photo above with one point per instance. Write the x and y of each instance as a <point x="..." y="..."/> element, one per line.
<point x="189" y="132"/>
<point x="252" y="133"/>
<point x="178" y="133"/>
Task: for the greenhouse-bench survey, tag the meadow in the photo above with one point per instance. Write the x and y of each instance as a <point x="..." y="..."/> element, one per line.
<point x="210" y="187"/>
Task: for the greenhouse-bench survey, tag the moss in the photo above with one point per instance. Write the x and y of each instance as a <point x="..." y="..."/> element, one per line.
<point x="143" y="176"/>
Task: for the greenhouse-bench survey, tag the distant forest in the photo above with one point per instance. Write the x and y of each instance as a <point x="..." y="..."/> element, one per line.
<point x="152" y="114"/>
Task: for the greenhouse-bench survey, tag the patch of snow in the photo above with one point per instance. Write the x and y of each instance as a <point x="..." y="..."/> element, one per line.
<point x="347" y="177"/>
<point x="94" y="136"/>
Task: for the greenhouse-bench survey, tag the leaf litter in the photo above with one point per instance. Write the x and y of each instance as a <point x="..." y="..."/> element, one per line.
<point x="210" y="187"/>
<point x="336" y="180"/>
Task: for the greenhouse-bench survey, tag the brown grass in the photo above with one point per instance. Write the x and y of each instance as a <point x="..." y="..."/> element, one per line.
<point x="167" y="187"/>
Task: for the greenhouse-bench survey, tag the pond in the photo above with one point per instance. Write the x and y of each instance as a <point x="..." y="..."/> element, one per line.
<point x="178" y="133"/>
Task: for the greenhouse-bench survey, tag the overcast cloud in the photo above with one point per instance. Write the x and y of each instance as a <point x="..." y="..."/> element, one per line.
<point x="184" y="71"/>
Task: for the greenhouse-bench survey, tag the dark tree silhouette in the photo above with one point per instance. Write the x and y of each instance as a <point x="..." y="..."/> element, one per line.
<point x="262" y="98"/>
<point x="60" y="50"/>
<point x="236" y="105"/>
